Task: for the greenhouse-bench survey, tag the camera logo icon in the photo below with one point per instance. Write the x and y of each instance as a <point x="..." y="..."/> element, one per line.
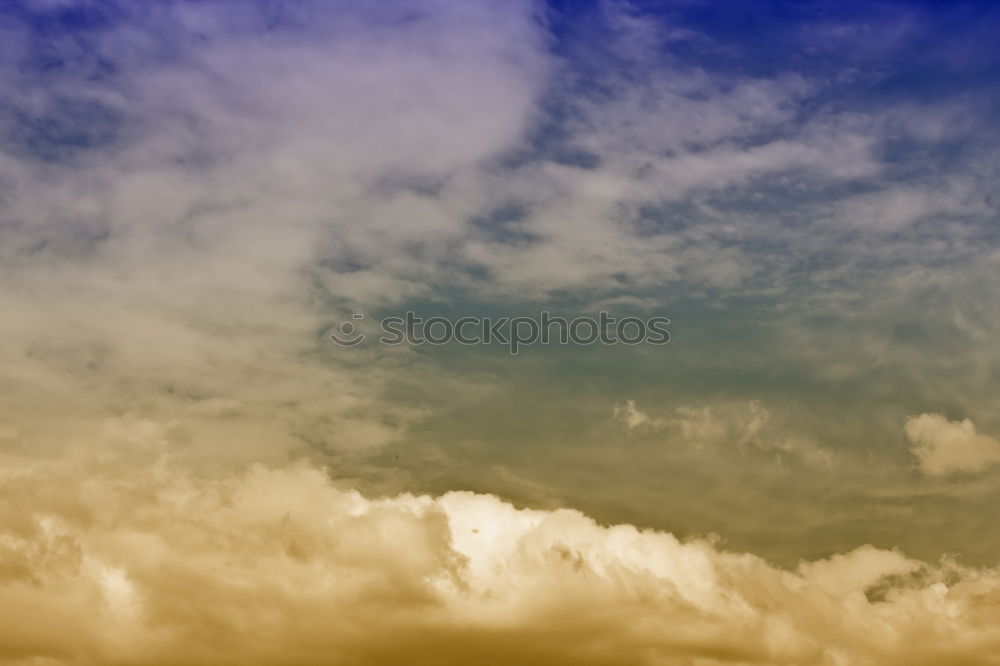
<point x="347" y="334"/>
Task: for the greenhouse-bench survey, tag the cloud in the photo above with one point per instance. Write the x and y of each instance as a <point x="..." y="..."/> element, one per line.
<point x="152" y="177"/>
<point x="179" y="231"/>
<point x="746" y="427"/>
<point x="631" y="416"/>
<point x="192" y="192"/>
<point x="111" y="556"/>
<point x="946" y="447"/>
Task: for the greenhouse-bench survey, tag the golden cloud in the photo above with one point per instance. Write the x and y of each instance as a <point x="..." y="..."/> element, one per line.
<point x="945" y="447"/>
<point x="117" y="558"/>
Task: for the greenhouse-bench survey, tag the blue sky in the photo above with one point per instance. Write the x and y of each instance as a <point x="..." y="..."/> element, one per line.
<point x="805" y="189"/>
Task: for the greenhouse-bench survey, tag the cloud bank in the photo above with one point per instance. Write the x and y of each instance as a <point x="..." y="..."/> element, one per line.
<point x="115" y="556"/>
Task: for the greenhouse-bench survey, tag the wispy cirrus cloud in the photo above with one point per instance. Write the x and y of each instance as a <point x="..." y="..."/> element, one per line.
<point x="190" y="189"/>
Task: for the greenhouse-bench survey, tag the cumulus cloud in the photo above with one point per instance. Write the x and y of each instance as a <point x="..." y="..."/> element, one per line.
<point x="945" y="447"/>
<point x="126" y="559"/>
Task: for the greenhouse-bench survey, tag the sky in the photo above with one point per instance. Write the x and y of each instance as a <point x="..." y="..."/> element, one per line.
<point x="195" y="193"/>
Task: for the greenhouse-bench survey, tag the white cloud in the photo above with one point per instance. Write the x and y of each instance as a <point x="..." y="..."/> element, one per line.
<point x="263" y="173"/>
<point x="945" y="447"/>
<point x="631" y="416"/>
<point x="111" y="559"/>
<point x="745" y="427"/>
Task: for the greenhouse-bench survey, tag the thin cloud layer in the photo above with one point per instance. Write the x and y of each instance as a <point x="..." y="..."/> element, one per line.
<point x="110" y="558"/>
<point x="739" y="427"/>
<point x="192" y="192"/>
<point x="196" y="190"/>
